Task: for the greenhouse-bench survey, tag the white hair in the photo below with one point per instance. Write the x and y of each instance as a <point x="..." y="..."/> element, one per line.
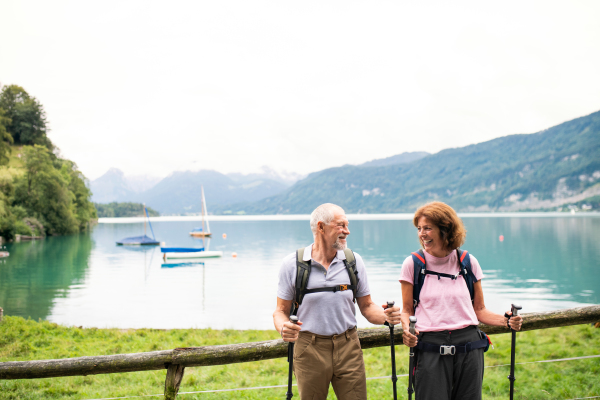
<point x="324" y="213"/>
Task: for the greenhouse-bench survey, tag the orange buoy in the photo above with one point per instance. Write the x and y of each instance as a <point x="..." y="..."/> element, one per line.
<point x="234" y="254"/>
<point x="501" y="238"/>
<point x="224" y="236"/>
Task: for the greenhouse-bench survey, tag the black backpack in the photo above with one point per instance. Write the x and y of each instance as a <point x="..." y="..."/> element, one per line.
<point x="421" y="271"/>
<point x="303" y="269"/>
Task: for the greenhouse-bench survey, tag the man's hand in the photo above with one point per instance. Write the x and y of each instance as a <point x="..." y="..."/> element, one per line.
<point x="392" y="315"/>
<point x="289" y="331"/>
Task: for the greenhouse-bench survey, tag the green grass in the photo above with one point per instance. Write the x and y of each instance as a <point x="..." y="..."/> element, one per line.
<point x="22" y="339"/>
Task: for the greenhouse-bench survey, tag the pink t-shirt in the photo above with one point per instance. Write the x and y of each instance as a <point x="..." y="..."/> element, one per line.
<point x="445" y="304"/>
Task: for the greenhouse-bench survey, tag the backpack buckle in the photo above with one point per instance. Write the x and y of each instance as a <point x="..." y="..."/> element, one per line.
<point x="447" y="350"/>
<point x="343" y="287"/>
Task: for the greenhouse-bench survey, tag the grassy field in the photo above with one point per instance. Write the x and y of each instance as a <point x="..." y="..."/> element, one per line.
<point x="22" y="339"/>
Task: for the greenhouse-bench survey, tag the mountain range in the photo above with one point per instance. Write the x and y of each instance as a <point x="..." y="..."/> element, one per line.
<point x="180" y="192"/>
<point x="540" y="171"/>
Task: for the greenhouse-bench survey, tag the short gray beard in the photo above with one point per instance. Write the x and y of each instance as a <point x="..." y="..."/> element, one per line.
<point x="339" y="246"/>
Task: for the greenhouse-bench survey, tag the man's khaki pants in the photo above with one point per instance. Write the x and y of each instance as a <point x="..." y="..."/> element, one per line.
<point x="319" y="360"/>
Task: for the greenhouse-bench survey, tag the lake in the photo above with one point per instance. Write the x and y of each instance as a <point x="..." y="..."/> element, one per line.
<point x="545" y="262"/>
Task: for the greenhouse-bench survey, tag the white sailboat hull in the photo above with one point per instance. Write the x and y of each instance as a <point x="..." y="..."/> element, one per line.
<point x="198" y="254"/>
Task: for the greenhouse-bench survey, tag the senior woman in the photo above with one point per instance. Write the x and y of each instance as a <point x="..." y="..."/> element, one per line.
<point x="447" y="313"/>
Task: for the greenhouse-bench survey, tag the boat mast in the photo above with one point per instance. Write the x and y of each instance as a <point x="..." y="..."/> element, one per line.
<point x="204" y="211"/>
<point x="144" y="216"/>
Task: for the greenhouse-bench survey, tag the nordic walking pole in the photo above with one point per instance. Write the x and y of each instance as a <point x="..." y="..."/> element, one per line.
<point x="411" y="328"/>
<point x="390" y="304"/>
<point x="515" y="309"/>
<point x="289" y="394"/>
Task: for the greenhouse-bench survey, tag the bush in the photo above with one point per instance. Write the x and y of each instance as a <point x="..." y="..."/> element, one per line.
<point x="36" y="226"/>
<point x="21" y="228"/>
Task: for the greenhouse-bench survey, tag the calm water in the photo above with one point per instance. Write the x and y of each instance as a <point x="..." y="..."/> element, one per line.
<point x="544" y="263"/>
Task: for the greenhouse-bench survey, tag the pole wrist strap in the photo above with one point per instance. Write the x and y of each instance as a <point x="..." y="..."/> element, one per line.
<point x="508" y="320"/>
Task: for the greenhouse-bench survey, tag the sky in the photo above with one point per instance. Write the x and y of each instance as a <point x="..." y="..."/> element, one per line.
<point x="151" y="87"/>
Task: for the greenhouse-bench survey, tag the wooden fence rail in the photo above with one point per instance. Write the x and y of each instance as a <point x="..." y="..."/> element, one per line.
<point x="175" y="361"/>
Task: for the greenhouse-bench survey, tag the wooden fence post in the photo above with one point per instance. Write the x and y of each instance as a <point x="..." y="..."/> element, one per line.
<point x="174" y="377"/>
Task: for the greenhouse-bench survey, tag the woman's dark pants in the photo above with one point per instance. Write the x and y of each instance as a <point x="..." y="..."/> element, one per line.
<point x="457" y="377"/>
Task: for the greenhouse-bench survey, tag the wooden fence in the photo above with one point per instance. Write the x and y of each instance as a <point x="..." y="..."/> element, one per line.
<point x="175" y="361"/>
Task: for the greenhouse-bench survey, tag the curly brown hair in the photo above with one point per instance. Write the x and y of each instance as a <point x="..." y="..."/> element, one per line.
<point x="452" y="230"/>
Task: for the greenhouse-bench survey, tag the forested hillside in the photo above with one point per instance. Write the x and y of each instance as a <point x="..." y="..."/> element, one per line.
<point x="40" y="193"/>
<point x="544" y="170"/>
<point x="120" y="210"/>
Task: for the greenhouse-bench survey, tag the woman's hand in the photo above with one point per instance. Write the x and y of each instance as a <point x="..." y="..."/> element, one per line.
<point x="409" y="339"/>
<point x="514" y="322"/>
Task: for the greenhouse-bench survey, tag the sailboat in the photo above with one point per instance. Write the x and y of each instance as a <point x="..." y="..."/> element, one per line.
<point x="200" y="232"/>
<point x="190" y="252"/>
<point x="141" y="240"/>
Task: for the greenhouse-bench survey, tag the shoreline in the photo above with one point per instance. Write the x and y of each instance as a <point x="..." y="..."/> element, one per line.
<point x="351" y="217"/>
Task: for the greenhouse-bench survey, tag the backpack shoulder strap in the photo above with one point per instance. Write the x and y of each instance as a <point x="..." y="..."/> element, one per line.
<point x="302" y="273"/>
<point x="418" y="275"/>
<point x="350" y="263"/>
<point x="466" y="271"/>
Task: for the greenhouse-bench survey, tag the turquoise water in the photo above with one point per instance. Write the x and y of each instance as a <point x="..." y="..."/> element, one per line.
<point x="544" y="263"/>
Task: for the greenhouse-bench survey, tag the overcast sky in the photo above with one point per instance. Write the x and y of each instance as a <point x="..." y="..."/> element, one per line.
<point x="154" y="86"/>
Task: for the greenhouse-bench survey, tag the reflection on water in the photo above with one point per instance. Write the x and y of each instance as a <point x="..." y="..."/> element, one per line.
<point x="37" y="272"/>
<point x="182" y="264"/>
<point x="543" y="263"/>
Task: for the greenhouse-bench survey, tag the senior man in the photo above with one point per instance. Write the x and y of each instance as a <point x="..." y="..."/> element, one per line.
<point x="319" y="284"/>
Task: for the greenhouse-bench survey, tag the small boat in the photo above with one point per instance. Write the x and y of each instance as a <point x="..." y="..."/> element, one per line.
<point x="188" y="252"/>
<point x="200" y="232"/>
<point x="4" y="254"/>
<point x="141" y="240"/>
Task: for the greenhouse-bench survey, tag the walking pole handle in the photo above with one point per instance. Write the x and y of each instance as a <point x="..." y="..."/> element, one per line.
<point x="413" y="321"/>
<point x="294" y="319"/>
<point x="390" y="304"/>
<point x="514" y="308"/>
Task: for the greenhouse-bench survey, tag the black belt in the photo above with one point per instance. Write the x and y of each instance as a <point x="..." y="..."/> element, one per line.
<point x="338" y="288"/>
<point x="446" y="350"/>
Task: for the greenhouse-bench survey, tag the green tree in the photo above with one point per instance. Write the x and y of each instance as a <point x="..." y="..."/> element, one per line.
<point x="6" y="138"/>
<point x="27" y="117"/>
<point x="7" y="189"/>
<point x="118" y="210"/>
<point x="44" y="192"/>
<point x="84" y="208"/>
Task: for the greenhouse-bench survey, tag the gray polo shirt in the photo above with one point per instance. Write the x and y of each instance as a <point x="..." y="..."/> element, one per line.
<point x="324" y="313"/>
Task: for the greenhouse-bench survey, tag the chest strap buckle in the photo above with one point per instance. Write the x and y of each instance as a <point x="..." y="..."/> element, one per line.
<point x="447" y="350"/>
<point x="343" y="287"/>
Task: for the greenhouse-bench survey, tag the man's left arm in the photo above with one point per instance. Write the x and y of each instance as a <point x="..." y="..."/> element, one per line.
<point x="376" y="314"/>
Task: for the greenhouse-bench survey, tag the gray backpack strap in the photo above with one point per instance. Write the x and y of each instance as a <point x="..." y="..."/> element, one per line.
<point x="350" y="263"/>
<point x="302" y="274"/>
